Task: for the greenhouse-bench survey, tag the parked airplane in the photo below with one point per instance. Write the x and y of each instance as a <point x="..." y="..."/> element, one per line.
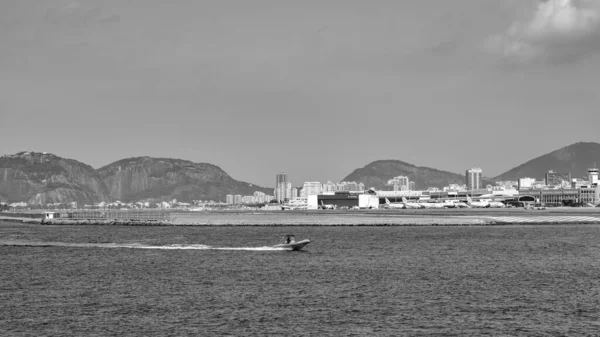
<point x="454" y="204"/>
<point x="327" y="206"/>
<point x="449" y="204"/>
<point x="430" y="205"/>
<point x="497" y="195"/>
<point x="496" y="204"/>
<point x="396" y="205"/>
<point x="413" y="205"/>
<point x="477" y="204"/>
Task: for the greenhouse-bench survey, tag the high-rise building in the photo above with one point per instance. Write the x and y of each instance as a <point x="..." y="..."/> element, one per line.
<point x="347" y="186"/>
<point x="352" y="186"/>
<point x="281" y="177"/>
<point x="229" y="199"/>
<point x="399" y="183"/>
<point x="329" y="187"/>
<point x="294" y="193"/>
<point x="280" y="187"/>
<point x="411" y="186"/>
<point x="593" y="176"/>
<point x="473" y="178"/>
<point x="237" y="199"/>
<point x="286" y="191"/>
<point x="557" y="179"/>
<point x="400" y="188"/>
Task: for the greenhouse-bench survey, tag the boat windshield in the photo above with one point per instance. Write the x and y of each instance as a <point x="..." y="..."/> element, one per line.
<point x="289" y="238"/>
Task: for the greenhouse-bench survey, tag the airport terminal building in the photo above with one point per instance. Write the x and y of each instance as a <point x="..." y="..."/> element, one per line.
<point x="564" y="197"/>
<point x="583" y="196"/>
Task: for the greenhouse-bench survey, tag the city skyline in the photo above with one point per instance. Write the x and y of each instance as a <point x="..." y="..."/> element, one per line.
<point x="299" y="183"/>
<point x="248" y="86"/>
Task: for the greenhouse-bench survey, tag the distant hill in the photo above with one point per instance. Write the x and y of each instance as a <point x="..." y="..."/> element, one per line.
<point x="42" y="178"/>
<point x="576" y="158"/>
<point x="377" y="173"/>
<point x="146" y="178"/>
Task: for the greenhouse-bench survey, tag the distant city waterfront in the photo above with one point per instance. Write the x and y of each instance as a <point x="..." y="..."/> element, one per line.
<point x="473" y="190"/>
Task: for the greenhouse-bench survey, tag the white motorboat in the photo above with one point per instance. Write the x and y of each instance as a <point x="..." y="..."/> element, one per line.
<point x="291" y="243"/>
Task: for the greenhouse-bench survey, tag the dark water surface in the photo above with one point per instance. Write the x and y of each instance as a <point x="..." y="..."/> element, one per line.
<point x="351" y="281"/>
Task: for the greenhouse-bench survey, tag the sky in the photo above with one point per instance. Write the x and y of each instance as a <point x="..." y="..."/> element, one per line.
<point x="312" y="88"/>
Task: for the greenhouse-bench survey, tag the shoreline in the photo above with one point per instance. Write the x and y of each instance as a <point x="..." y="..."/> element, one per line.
<point x="333" y="218"/>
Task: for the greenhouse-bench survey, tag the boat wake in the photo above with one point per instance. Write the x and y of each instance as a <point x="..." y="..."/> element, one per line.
<point x="23" y="243"/>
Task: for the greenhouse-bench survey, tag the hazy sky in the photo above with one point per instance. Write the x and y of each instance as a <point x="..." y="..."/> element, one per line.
<point x="312" y="88"/>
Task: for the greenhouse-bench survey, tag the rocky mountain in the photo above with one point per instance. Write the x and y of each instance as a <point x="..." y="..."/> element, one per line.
<point x="146" y="178"/>
<point x="377" y="173"/>
<point x="576" y="158"/>
<point x="42" y="178"/>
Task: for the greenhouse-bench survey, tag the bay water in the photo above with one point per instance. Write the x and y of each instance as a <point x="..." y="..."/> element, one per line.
<point x="350" y="281"/>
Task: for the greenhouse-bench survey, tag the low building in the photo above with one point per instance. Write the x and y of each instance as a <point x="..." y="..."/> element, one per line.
<point x="349" y="200"/>
<point x="566" y="196"/>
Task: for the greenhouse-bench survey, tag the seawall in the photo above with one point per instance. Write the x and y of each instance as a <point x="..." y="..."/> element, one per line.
<point x="333" y="218"/>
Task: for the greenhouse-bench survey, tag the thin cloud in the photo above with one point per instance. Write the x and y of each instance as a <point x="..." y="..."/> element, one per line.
<point x="558" y="31"/>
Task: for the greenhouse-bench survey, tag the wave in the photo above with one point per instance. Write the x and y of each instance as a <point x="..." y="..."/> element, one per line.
<point x="23" y="243"/>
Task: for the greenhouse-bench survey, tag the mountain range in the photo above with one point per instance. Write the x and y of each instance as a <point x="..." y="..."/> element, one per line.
<point x="377" y="174"/>
<point x="41" y="178"/>
<point x="576" y="159"/>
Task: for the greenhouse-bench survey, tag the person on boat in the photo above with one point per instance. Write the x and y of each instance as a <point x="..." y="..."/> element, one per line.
<point x="288" y="240"/>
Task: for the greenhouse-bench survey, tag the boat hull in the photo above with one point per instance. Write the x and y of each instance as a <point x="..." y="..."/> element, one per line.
<point x="294" y="245"/>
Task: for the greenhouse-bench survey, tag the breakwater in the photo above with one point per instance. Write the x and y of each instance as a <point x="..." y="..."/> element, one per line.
<point x="106" y="222"/>
<point x="21" y="215"/>
<point x="253" y="222"/>
<point x="330" y="218"/>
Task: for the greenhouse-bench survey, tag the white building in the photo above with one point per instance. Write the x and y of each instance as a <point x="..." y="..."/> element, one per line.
<point x="473" y="178"/>
<point x="525" y="183"/>
<point x="593" y="176"/>
<point x="329" y="187"/>
<point x="311" y="188"/>
<point x="398" y="182"/>
<point x="287" y="190"/>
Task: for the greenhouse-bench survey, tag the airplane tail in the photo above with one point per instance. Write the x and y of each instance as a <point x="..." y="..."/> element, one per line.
<point x="404" y="200"/>
<point x="469" y="199"/>
<point x="387" y="201"/>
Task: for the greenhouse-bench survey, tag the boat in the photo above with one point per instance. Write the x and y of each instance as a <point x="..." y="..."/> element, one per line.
<point x="291" y="243"/>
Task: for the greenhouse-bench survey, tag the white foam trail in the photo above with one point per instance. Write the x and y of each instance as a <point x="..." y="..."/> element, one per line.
<point x="131" y="246"/>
